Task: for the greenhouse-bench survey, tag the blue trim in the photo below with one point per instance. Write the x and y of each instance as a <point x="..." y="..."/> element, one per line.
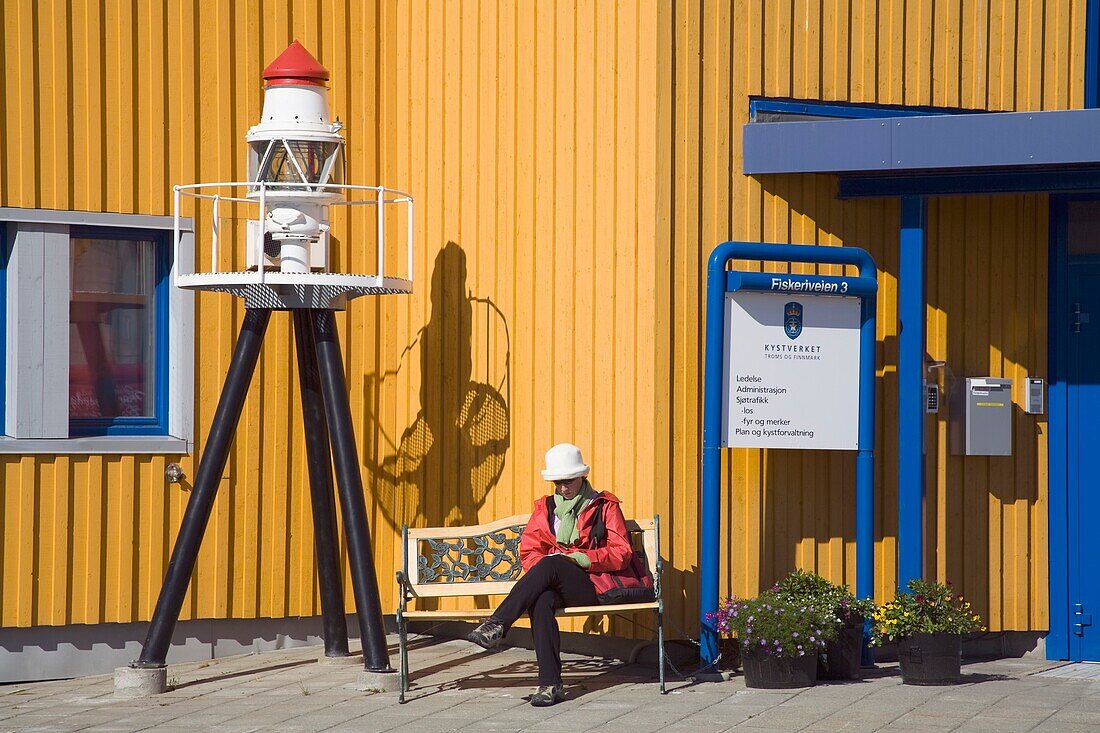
<point x="1076" y="180"/>
<point x="5" y="254"/>
<point x="865" y="464"/>
<point x="924" y="143"/>
<point x="157" y="424"/>
<point x="845" y="110"/>
<point x="1092" y="54"/>
<point x="800" y="284"/>
<point x="718" y="283"/>
<point x="911" y="307"/>
<point x="1058" y="547"/>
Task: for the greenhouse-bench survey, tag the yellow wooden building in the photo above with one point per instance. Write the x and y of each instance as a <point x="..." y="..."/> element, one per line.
<point x="573" y="165"/>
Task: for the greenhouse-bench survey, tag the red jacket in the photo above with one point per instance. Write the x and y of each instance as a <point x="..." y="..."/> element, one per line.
<point x="539" y="540"/>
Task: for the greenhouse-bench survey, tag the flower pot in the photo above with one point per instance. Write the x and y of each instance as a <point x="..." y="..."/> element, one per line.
<point x="842" y="657"/>
<point x="769" y="672"/>
<point x="729" y="651"/>
<point x="930" y="659"/>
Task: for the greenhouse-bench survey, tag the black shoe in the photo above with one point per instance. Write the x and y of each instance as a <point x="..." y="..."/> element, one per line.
<point x="488" y="635"/>
<point x="546" y="696"/>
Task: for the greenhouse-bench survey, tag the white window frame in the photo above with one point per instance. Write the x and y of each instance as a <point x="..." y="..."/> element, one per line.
<point x="36" y="398"/>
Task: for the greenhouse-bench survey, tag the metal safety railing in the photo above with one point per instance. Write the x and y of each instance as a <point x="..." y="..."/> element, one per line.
<point x="380" y="197"/>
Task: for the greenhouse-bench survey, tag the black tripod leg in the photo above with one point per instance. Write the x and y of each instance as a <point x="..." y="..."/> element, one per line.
<point x="211" y="465"/>
<point x="364" y="579"/>
<point x="334" y="626"/>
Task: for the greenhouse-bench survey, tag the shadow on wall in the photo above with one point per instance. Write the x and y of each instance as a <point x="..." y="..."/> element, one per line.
<point x="442" y="468"/>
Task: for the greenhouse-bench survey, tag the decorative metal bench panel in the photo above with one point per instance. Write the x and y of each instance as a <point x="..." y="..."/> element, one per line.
<point x="483" y="560"/>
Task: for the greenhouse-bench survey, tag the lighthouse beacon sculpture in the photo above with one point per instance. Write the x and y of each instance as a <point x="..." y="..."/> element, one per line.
<point x="296" y="183"/>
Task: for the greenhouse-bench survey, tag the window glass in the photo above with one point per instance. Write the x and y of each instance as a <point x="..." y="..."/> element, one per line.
<point x="112" y="328"/>
<point x="1083" y="230"/>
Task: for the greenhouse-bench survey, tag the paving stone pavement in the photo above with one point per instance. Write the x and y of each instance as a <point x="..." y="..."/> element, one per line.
<point x="458" y="687"/>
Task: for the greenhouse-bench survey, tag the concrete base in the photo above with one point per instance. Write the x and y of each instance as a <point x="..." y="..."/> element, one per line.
<point x="378" y="681"/>
<point x="986" y="645"/>
<point x="131" y="682"/>
<point x="712" y="676"/>
<point x="341" y="661"/>
<point x="56" y="652"/>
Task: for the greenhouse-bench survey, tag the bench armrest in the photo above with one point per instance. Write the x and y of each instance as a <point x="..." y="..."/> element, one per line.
<point x="404" y="588"/>
<point x="659" y="564"/>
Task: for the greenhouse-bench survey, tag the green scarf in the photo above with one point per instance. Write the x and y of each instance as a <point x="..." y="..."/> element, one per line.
<point x="567" y="512"/>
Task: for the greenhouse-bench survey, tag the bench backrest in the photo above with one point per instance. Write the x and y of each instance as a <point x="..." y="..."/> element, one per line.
<point x="484" y="559"/>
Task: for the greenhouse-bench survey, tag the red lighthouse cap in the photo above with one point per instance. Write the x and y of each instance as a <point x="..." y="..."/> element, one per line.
<point x="296" y="65"/>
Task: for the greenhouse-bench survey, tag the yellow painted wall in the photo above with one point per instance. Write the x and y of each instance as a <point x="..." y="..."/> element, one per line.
<point x="528" y="132"/>
<point x="106" y="106"/>
<point x="528" y="137"/>
<point x="573" y="164"/>
<point x="986" y="518"/>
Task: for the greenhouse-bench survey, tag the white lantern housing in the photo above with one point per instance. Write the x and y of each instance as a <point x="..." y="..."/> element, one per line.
<point x="296" y="175"/>
<point x="296" y="150"/>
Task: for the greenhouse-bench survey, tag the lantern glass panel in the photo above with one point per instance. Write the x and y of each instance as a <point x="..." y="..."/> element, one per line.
<point x="297" y="161"/>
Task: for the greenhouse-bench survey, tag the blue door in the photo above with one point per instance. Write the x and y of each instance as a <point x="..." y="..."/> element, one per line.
<point x="1083" y="439"/>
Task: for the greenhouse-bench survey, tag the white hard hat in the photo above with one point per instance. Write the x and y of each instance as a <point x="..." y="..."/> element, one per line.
<point x="563" y="462"/>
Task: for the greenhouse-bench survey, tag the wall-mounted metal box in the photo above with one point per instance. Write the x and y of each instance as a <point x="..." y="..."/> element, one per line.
<point x="981" y="417"/>
<point x="1036" y="396"/>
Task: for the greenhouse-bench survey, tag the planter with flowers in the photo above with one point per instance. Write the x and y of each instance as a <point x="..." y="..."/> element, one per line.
<point x="729" y="647"/>
<point x="927" y="622"/>
<point x="780" y="640"/>
<point x="840" y="659"/>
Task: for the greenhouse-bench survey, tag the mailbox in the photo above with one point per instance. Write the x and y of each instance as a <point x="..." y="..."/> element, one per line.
<point x="981" y="417"/>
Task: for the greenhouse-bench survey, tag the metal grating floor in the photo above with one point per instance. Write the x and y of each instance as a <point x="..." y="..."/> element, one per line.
<point x="1075" y="671"/>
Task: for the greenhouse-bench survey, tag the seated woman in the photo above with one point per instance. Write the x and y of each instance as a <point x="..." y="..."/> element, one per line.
<point x="559" y="553"/>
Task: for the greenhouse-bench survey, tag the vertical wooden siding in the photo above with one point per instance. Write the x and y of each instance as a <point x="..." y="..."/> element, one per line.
<point x="105" y="107"/>
<point x="527" y="134"/>
<point x="573" y="165"/>
<point x="986" y="517"/>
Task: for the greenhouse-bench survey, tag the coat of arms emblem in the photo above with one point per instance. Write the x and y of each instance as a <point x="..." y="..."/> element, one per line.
<point x="792" y="320"/>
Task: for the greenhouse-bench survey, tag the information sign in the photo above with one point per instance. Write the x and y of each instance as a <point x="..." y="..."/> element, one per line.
<point x="791" y="371"/>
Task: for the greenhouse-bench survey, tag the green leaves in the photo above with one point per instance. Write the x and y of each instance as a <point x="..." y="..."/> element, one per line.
<point x="927" y="608"/>
<point x="774" y="625"/>
<point x="810" y="588"/>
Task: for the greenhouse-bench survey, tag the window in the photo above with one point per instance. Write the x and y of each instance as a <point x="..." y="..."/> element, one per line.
<point x="1083" y="228"/>
<point x="117" y="315"/>
<point x="97" y="346"/>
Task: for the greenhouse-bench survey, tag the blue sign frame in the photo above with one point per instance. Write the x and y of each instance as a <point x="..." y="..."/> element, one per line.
<point x="721" y="281"/>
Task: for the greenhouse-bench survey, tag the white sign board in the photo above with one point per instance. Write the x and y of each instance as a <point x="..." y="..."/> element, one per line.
<point x="791" y="377"/>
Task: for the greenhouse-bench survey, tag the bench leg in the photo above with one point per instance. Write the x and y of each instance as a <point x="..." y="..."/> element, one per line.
<point x="661" y="647"/>
<point x="403" y="658"/>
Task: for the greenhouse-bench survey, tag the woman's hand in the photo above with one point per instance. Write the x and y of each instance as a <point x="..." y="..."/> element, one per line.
<point x="580" y="558"/>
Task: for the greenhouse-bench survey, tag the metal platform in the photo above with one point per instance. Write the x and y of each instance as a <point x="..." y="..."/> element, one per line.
<point x="287" y="291"/>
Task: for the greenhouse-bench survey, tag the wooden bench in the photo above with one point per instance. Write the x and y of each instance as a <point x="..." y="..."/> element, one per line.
<point x="482" y="560"/>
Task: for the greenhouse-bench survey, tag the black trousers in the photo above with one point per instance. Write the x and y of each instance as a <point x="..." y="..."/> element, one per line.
<point x="555" y="582"/>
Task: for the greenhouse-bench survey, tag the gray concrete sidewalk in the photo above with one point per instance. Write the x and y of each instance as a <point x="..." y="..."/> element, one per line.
<point x="457" y="687"/>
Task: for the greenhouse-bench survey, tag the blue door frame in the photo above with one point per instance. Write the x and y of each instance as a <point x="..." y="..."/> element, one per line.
<point x="1074" y="588"/>
<point x="1057" y="641"/>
